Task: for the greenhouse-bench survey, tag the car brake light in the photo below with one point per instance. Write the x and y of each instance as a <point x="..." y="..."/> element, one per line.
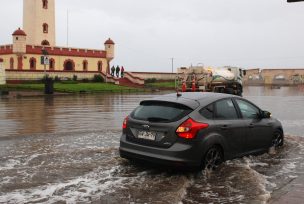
<point x="124" y="124"/>
<point x="189" y="128"/>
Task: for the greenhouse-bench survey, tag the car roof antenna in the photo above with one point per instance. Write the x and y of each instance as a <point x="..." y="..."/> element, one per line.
<point x="177" y="93"/>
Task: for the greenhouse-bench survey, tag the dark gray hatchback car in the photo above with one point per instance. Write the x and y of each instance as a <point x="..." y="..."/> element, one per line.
<point x="198" y="129"/>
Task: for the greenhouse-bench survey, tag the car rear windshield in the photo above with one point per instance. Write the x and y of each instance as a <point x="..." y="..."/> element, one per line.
<point x="158" y="111"/>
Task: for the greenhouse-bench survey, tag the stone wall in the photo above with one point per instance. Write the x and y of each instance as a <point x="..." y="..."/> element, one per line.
<point x="156" y="75"/>
<point x="134" y="79"/>
<point x="274" y="77"/>
<point x="16" y="75"/>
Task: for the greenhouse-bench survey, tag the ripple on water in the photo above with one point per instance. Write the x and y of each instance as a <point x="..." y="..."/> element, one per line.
<point x="249" y="179"/>
<point x="84" y="168"/>
<point x="66" y="150"/>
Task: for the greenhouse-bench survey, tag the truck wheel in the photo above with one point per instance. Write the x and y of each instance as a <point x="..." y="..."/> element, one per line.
<point x="229" y="91"/>
<point x="239" y="90"/>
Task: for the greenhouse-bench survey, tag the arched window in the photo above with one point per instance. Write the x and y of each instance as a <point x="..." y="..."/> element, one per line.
<point x="45" y="27"/>
<point x="45" y="42"/>
<point x="99" y="66"/>
<point x="85" y="65"/>
<point x="69" y="65"/>
<point x="45" y="4"/>
<point x="32" y="63"/>
<point x="11" y="63"/>
<point x="52" y="64"/>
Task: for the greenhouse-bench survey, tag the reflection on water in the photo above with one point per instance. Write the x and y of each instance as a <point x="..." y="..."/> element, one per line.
<point x="74" y="113"/>
<point x="65" y="150"/>
<point x="276" y="91"/>
<point x="285" y="103"/>
<point x="28" y="116"/>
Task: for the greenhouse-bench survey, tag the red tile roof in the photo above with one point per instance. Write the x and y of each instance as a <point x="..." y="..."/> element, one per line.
<point x="19" y="32"/>
<point x="109" y="42"/>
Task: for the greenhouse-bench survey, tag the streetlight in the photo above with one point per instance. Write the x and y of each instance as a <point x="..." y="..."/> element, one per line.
<point x="172" y="63"/>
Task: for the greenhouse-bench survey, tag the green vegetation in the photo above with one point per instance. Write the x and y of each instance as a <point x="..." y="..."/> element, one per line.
<point x="75" y="77"/>
<point x="73" y="88"/>
<point x="98" y="78"/>
<point x="150" y="80"/>
<point x="85" y="86"/>
<point x="162" y="85"/>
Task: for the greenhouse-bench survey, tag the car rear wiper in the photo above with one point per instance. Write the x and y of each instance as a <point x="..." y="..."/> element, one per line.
<point x="156" y="119"/>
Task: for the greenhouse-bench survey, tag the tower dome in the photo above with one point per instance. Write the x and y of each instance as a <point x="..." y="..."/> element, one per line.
<point x="109" y="42"/>
<point x="19" y="32"/>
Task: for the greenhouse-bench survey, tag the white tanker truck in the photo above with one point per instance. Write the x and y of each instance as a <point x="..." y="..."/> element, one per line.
<point x="222" y="80"/>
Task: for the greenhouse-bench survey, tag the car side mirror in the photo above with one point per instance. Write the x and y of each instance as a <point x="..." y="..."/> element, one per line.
<point x="266" y="114"/>
<point x="244" y="72"/>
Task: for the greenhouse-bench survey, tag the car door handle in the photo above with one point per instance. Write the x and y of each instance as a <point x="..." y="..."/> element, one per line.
<point x="251" y="125"/>
<point x="224" y="127"/>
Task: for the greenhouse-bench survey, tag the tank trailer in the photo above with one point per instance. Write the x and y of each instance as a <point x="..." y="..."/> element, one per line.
<point x="221" y="80"/>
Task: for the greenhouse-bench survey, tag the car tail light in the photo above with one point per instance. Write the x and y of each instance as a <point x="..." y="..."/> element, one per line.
<point x="124" y="124"/>
<point x="189" y="128"/>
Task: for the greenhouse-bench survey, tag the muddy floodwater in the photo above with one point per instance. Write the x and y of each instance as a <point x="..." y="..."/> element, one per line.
<point x="65" y="150"/>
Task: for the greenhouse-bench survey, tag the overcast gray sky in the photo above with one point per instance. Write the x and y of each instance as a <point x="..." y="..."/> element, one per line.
<point x="147" y="33"/>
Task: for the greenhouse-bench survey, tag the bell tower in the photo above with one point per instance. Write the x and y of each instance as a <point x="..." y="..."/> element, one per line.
<point x="39" y="22"/>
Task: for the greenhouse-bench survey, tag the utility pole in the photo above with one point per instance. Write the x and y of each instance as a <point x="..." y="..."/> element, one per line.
<point x="172" y="62"/>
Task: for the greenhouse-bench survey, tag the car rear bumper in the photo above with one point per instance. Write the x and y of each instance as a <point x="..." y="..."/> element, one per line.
<point x="179" y="154"/>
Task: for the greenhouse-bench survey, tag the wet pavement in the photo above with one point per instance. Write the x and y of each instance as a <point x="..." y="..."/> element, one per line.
<point x="65" y="150"/>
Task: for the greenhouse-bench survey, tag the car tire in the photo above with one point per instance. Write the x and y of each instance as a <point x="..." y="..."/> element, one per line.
<point x="278" y="139"/>
<point x="213" y="158"/>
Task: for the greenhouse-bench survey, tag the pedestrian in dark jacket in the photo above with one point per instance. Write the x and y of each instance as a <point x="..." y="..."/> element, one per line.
<point x="117" y="71"/>
<point x="122" y="71"/>
<point x="112" y="70"/>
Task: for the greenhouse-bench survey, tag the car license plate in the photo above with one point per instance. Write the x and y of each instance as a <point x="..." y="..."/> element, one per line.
<point x="146" y="135"/>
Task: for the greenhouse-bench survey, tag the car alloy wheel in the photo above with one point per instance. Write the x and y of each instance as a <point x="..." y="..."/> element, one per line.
<point x="213" y="158"/>
<point x="278" y="139"/>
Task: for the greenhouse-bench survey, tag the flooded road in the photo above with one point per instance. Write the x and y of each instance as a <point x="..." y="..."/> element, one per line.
<point x="65" y="150"/>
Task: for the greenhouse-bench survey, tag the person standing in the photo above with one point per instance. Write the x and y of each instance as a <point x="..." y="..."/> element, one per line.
<point x="122" y="71"/>
<point x="112" y="70"/>
<point x="117" y="71"/>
